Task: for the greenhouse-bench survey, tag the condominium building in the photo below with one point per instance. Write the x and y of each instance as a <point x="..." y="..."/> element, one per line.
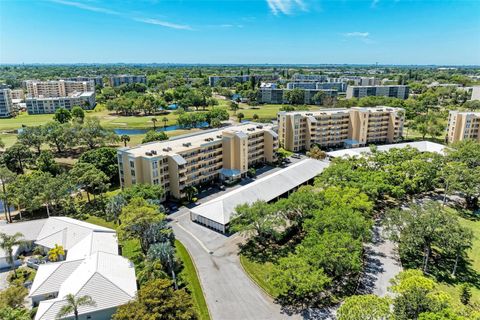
<point x="277" y="96"/>
<point x="219" y="154"/>
<point x="18" y="94"/>
<point x="57" y="88"/>
<point x="40" y="105"/>
<point x="6" y="105"/>
<point x="397" y="91"/>
<point x="227" y="81"/>
<point x="339" y="86"/>
<point x="309" y="77"/>
<point x="302" y="85"/>
<point x="118" y="80"/>
<point x="97" y="80"/>
<point x="339" y="127"/>
<point x="463" y="126"/>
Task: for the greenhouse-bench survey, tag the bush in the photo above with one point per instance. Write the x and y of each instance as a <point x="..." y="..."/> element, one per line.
<point x="23" y="274"/>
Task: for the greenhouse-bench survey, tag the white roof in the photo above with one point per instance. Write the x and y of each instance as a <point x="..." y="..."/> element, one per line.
<point x="94" y="242"/>
<point x="66" y="232"/>
<point x="422" y="146"/>
<point x="50" y="276"/>
<point x="107" y="278"/>
<point x="267" y="188"/>
<point x="29" y="230"/>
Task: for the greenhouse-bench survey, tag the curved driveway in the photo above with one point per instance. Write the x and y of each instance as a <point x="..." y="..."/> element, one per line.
<point x="229" y="292"/>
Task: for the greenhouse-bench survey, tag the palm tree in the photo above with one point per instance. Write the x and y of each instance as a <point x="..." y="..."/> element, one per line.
<point x="7" y="242"/>
<point x="56" y="253"/>
<point x="125" y="138"/>
<point x="165" y="120"/>
<point x="154" y="120"/>
<point x="165" y="253"/>
<point x="73" y="304"/>
<point x="240" y="116"/>
<point x="190" y="191"/>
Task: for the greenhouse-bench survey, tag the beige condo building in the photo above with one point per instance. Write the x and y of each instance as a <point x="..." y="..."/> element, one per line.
<point x="463" y="126"/>
<point x="352" y="127"/>
<point x="57" y="88"/>
<point x="218" y="154"/>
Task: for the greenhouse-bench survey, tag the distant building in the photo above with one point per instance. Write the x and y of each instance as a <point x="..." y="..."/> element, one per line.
<point x="41" y="105"/>
<point x="220" y="154"/>
<point x="268" y="85"/>
<point x="118" y="80"/>
<point x="97" y="80"/>
<point x="475" y="93"/>
<point x="56" y="88"/>
<point x="228" y="81"/>
<point x="339" y="127"/>
<point x="339" y="86"/>
<point x="277" y="96"/>
<point x="463" y="126"/>
<point x="302" y="85"/>
<point x="309" y="77"/>
<point x="6" y="104"/>
<point x="18" y="94"/>
<point x="397" y="91"/>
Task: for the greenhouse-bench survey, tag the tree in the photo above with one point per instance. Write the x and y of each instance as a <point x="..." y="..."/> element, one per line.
<point x="158" y="300"/>
<point x="165" y="121"/>
<point x="62" y="115"/>
<point x="59" y="135"/>
<point x="430" y="124"/>
<point x="319" y="97"/>
<point x="165" y="253"/>
<point x="114" y="207"/>
<point x="9" y="313"/>
<point x="31" y="137"/>
<point x="6" y="177"/>
<point x="255" y="117"/>
<point x="258" y="219"/>
<point x="191" y="192"/>
<point x="17" y="157"/>
<point x="104" y="159"/>
<point x="136" y="218"/>
<point x="7" y="244"/>
<point x="240" y="116"/>
<point x="73" y="305"/>
<point x="150" y="192"/>
<point x="365" y="307"/>
<point x="154" y="121"/>
<point x="295" y="96"/>
<point x="125" y="138"/>
<point x="316" y="153"/>
<point x="234" y="106"/>
<point x="46" y="163"/>
<point x="89" y="178"/>
<point x="78" y="114"/>
<point x="56" y="253"/>
<point x="297" y="281"/>
<point x="150" y="271"/>
<point x="465" y="293"/>
<point x="92" y="134"/>
<point x="152" y="136"/>
<point x="13" y="297"/>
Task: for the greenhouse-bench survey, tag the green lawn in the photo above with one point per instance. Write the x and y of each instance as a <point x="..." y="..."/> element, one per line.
<point x="264" y="112"/>
<point x="259" y="273"/>
<point x="189" y="273"/>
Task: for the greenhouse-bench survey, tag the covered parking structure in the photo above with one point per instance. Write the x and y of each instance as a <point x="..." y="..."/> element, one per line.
<point x="217" y="213"/>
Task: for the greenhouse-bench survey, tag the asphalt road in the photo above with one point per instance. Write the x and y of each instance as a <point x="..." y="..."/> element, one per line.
<point x="229" y="292"/>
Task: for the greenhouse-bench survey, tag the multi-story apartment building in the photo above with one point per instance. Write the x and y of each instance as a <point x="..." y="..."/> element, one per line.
<point x="39" y="105"/>
<point x="339" y="86"/>
<point x="118" y="80"/>
<point x="97" y="80"/>
<point x="227" y="81"/>
<point x="302" y="85"/>
<point x="339" y="127"/>
<point x="6" y="105"/>
<point x="18" y="94"/>
<point x="309" y="77"/>
<point x="463" y="126"/>
<point x="56" y="88"/>
<point x="219" y="154"/>
<point x="396" y="91"/>
<point x="277" y="96"/>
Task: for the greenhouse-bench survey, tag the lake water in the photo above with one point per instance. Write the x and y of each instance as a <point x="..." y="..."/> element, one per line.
<point x="121" y="131"/>
<point x="2" y="208"/>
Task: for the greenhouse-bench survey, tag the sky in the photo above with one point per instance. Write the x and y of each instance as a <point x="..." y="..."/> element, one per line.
<point x="241" y="32"/>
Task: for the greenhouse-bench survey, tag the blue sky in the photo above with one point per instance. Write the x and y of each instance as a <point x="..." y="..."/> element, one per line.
<point x="251" y="31"/>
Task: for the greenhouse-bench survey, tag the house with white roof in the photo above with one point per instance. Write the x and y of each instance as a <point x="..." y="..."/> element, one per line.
<point x="92" y="267"/>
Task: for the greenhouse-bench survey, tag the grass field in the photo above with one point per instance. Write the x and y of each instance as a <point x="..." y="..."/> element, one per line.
<point x="131" y="248"/>
<point x="259" y="273"/>
<point x="190" y="274"/>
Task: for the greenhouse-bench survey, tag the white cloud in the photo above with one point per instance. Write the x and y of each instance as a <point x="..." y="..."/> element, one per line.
<point x="157" y="22"/>
<point x="357" y="34"/>
<point x="164" y="23"/>
<point x="285" y="6"/>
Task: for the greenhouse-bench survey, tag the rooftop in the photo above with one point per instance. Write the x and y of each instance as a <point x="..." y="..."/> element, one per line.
<point x="422" y="146"/>
<point x="192" y="141"/>
<point x="343" y="110"/>
<point x="267" y="188"/>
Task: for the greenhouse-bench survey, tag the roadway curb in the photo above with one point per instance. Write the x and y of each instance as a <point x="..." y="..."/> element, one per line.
<point x="253" y="280"/>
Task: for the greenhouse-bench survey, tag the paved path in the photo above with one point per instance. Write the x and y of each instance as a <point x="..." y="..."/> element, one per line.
<point x="229" y="292"/>
<point x="382" y="265"/>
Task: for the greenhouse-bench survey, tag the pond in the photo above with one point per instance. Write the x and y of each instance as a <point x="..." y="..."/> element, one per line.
<point x="2" y="208"/>
<point x="121" y="131"/>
